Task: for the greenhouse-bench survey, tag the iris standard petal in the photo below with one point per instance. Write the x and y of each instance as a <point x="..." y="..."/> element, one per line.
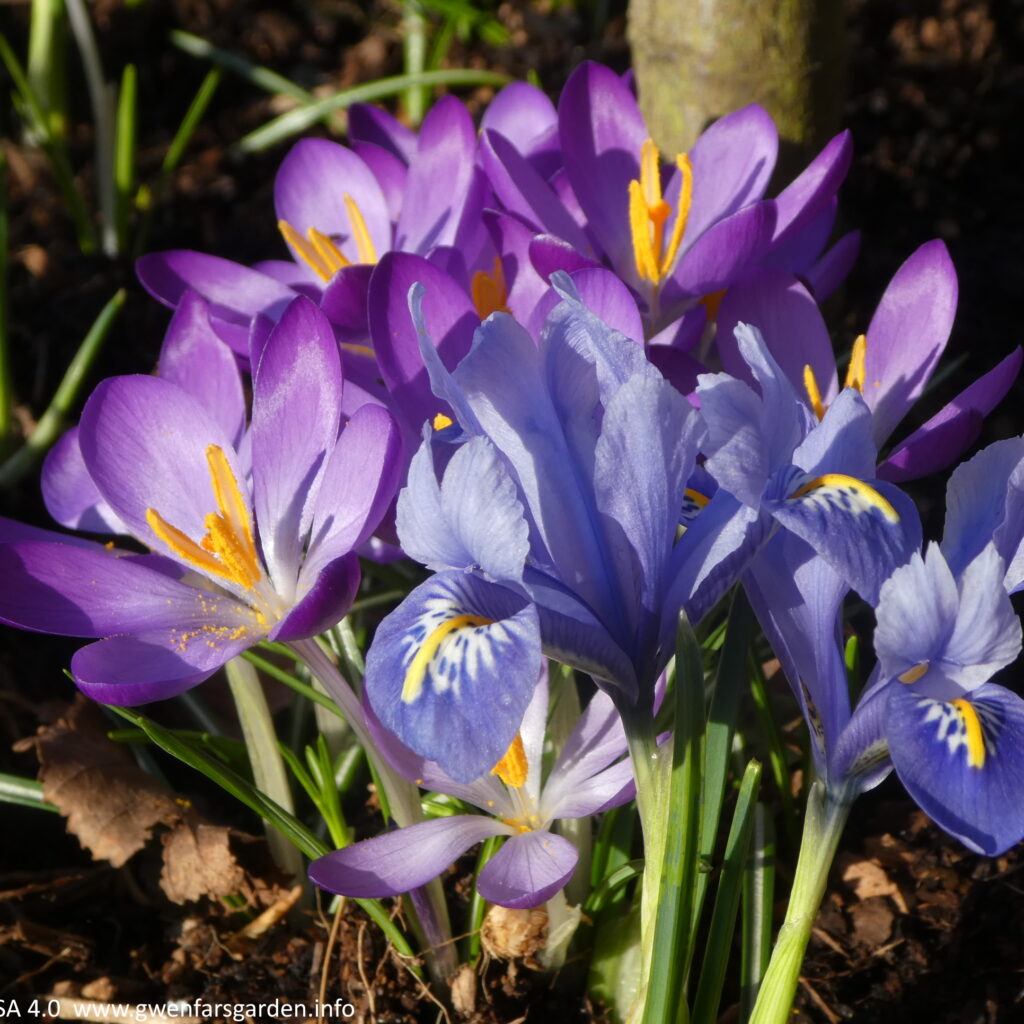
<point x="982" y="499"/>
<point x="962" y="761"/>
<point x="528" y="870"/>
<point x="401" y="860"/>
<point x="473" y="520"/>
<point x="451" y="671"/>
<point x="297" y="392"/>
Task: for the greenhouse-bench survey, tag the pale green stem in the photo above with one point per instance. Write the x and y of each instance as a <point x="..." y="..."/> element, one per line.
<point x="403" y="800"/>
<point x="824" y="819"/>
<point x="268" y="769"/>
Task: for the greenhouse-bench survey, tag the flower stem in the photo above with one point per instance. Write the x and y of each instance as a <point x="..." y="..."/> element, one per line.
<point x="267" y="764"/>
<point x="824" y="819"/>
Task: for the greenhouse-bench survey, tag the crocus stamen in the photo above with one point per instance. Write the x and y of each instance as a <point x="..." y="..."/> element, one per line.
<point x="412" y="686"/>
<point x="360" y="233"/>
<point x="814" y="392"/>
<point x="649" y="213"/>
<point x="913" y="674"/>
<point x="512" y="769"/>
<point x="306" y="250"/>
<point x="330" y="255"/>
<point x="227" y="551"/>
<point x="974" y="735"/>
<point x="489" y="291"/>
<point x="848" y="487"/>
<point x="856" y="373"/>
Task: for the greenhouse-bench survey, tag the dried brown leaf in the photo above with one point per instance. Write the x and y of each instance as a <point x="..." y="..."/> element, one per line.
<point x="198" y="862"/>
<point x="868" y="879"/>
<point x="111" y="805"/>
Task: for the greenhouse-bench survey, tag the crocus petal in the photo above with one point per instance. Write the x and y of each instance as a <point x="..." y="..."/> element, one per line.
<point x="834" y="266"/>
<point x="144" y="442"/>
<point x="941" y="440"/>
<point x="525" y="116"/>
<point x="601" y="792"/>
<point x="70" y="493"/>
<point x="344" y="300"/>
<point x="449" y="320"/>
<point x="907" y="335"/>
<point x="194" y="358"/>
<point x="472" y="519"/>
<point x="802" y="200"/>
<point x="390" y="171"/>
<point x="401" y="860"/>
<point x="602" y="132"/>
<point x="127" y="670"/>
<point x="322" y="600"/>
<point x="962" y="762"/>
<point x="732" y="162"/>
<point x="367" y="123"/>
<point x="358" y="485"/>
<point x="296" y="412"/>
<point x="234" y="292"/>
<point x="718" y="255"/>
<point x="73" y="590"/>
<point x="310" y="189"/>
<point x="528" y="870"/>
<point x="524" y="193"/>
<point x="790" y="323"/>
<point x="451" y="671"/>
<point x="440" y="179"/>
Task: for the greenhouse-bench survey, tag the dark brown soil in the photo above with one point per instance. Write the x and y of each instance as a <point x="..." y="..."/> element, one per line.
<point x="914" y="929"/>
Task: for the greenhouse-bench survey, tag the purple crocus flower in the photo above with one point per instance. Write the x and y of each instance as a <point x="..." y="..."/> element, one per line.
<point x="236" y="559"/>
<point x="589" y="775"/>
<point x="891" y="364"/>
<point x="673" y="236"/>
<point x="339" y="211"/>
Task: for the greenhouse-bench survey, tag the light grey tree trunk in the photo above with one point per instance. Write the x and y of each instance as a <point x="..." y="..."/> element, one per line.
<point x="696" y="60"/>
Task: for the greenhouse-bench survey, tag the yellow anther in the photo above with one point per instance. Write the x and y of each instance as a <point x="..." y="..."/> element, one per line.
<point x="305" y="250"/>
<point x="913" y="674"/>
<point x="227" y="550"/>
<point x="360" y="233"/>
<point x="332" y="258"/>
<point x="856" y="488"/>
<point x="441" y="421"/>
<point x="512" y="769"/>
<point x="856" y="372"/>
<point x="814" y="392"/>
<point x="975" y="734"/>
<point x="711" y="302"/>
<point x="489" y="291"/>
<point x="412" y="686"/>
<point x="649" y="213"/>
